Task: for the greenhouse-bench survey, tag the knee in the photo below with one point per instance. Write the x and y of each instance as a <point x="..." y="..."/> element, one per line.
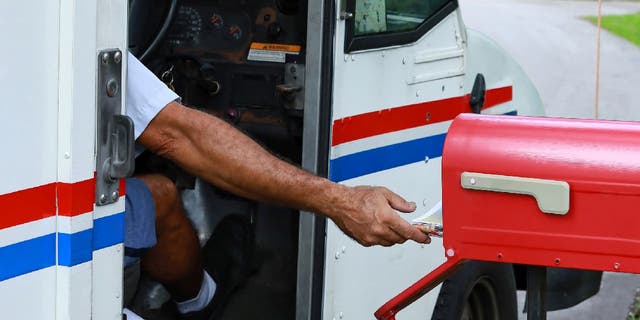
<point x="166" y="198"/>
<point x="165" y="192"/>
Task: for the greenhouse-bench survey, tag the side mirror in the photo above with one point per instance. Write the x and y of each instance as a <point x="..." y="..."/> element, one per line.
<point x="478" y="93"/>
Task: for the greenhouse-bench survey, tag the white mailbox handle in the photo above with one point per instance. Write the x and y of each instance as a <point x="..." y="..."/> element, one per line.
<point x="552" y="196"/>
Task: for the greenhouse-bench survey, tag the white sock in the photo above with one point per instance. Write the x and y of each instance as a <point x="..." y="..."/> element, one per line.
<point x="131" y="315"/>
<point x="207" y="290"/>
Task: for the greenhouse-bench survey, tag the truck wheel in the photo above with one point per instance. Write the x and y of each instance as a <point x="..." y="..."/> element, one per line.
<point x="478" y="291"/>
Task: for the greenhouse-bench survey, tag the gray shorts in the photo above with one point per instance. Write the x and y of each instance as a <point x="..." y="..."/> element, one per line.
<point x="140" y="220"/>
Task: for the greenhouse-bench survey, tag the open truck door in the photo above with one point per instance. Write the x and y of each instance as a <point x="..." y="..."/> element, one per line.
<point x="60" y="239"/>
<point x="401" y="71"/>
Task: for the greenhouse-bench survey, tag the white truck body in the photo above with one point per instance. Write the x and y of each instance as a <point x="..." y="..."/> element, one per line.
<point x="61" y="255"/>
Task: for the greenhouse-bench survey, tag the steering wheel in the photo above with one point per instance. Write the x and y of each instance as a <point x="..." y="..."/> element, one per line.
<point x="142" y="41"/>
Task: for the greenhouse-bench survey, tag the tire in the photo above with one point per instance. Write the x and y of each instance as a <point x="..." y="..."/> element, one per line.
<point x="478" y="291"/>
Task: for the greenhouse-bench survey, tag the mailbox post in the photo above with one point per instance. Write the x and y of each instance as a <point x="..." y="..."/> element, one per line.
<point x="536" y="288"/>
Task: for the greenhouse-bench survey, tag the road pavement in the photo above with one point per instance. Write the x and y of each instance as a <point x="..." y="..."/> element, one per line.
<point x="557" y="49"/>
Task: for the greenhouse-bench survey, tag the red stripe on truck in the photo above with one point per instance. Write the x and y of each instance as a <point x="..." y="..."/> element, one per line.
<point x="411" y="116"/>
<point x="27" y="205"/>
<point x="76" y="198"/>
<point x="37" y="203"/>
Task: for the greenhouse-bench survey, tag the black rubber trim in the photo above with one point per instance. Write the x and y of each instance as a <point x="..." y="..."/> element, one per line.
<point x="324" y="132"/>
<point x="381" y="40"/>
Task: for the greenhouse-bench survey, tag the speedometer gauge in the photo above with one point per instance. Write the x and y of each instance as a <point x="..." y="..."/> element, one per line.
<point x="186" y="27"/>
<point x="216" y="22"/>
<point x="234" y="32"/>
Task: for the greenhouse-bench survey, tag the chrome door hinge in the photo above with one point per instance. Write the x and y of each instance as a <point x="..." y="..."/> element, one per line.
<point x="115" y="138"/>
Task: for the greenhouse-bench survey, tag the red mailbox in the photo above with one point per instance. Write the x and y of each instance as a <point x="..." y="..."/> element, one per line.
<point x="537" y="191"/>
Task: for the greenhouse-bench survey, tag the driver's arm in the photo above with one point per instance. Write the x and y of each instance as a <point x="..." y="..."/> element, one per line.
<point x="215" y="151"/>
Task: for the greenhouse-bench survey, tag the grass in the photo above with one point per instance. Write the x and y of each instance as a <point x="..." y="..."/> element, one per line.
<point x="634" y="310"/>
<point x="626" y="26"/>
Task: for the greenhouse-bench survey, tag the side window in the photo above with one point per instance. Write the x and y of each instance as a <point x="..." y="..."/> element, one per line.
<point x="381" y="23"/>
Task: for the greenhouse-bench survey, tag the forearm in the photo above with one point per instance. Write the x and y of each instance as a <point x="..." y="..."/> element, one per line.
<point x="215" y="151"/>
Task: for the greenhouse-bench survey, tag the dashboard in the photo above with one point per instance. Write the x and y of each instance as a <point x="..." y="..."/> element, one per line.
<point x="242" y="60"/>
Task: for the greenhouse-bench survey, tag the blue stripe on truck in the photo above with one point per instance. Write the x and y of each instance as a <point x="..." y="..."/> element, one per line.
<point x="27" y="256"/>
<point x="73" y="249"/>
<point x="387" y="157"/>
<point x="108" y="231"/>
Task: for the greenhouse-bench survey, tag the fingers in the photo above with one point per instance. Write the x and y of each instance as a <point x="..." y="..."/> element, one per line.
<point x="427" y="234"/>
<point x="389" y="239"/>
<point x="398" y="203"/>
<point x="381" y="234"/>
<point x="408" y="231"/>
<point x="387" y="243"/>
<point x="400" y="228"/>
<point x="395" y="237"/>
<point x="371" y="220"/>
<point x="392" y="236"/>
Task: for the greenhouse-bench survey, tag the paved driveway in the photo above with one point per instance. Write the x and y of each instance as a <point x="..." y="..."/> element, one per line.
<point x="557" y="50"/>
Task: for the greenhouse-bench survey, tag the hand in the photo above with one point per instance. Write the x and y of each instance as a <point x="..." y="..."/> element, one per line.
<point x="367" y="215"/>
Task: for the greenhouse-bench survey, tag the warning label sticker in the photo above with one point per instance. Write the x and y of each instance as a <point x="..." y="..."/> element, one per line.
<point x="271" y="52"/>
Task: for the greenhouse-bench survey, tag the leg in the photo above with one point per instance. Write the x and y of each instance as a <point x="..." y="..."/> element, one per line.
<point x="175" y="260"/>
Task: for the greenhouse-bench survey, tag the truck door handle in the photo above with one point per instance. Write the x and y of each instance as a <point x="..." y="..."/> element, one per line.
<point x="121" y="162"/>
<point x="552" y="196"/>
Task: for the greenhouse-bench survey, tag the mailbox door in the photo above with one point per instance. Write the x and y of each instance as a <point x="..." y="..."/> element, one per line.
<point x="543" y="191"/>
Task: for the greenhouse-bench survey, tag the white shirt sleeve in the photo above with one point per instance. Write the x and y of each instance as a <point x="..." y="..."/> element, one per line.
<point x="146" y="95"/>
